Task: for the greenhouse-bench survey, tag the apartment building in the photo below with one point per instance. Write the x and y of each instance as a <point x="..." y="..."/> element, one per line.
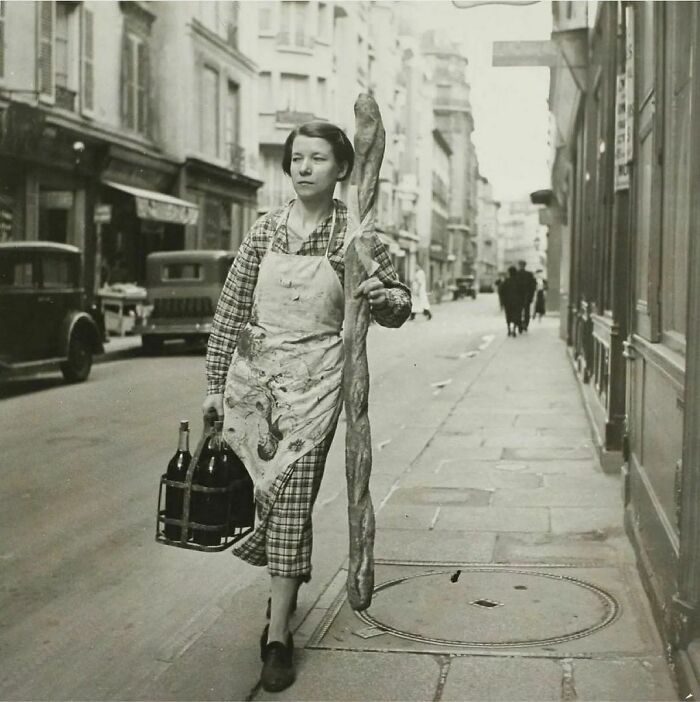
<point x="296" y="49"/>
<point x="486" y="265"/>
<point x="91" y="116"/>
<point x="524" y="237"/>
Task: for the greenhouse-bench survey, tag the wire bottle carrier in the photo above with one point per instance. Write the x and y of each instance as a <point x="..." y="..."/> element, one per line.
<point x="234" y="522"/>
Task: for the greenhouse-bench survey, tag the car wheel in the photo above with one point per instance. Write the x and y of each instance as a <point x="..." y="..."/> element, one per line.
<point x="77" y="368"/>
<point x="151" y="344"/>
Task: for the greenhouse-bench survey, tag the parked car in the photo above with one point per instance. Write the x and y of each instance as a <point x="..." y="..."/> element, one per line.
<point x="183" y="288"/>
<point x="45" y="319"/>
<point x="464" y="287"/>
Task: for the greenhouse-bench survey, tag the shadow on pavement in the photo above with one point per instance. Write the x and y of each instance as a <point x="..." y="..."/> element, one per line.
<point x="23" y="386"/>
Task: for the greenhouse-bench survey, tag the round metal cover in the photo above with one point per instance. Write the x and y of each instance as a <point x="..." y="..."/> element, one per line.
<point x="482" y="606"/>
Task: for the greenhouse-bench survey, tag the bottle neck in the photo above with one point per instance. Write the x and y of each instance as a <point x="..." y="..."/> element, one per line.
<point x="183" y="443"/>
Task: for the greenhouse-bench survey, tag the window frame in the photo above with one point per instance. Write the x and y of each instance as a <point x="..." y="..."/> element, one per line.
<point x="42" y="44"/>
<point x="87" y="18"/>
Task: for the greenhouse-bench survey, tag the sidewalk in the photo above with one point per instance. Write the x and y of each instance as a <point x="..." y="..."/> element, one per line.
<point x="503" y="569"/>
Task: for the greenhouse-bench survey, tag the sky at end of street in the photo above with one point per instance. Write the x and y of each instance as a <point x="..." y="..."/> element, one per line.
<point x="511" y="114"/>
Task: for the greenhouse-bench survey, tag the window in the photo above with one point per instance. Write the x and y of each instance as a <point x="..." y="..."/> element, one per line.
<point x="3" y="4"/>
<point x="221" y="18"/>
<point x="231" y="127"/>
<point x="294" y="95"/>
<point x="56" y="272"/>
<point x="135" y="85"/>
<point x="182" y="271"/>
<point x="265" y="84"/>
<point x="323" y="21"/>
<point x="45" y="63"/>
<point x="210" y="112"/>
<point x="294" y="24"/>
<point x="61" y="46"/>
<point x="264" y="17"/>
<point x="17" y="273"/>
<point x="322" y="97"/>
<point x="88" y="58"/>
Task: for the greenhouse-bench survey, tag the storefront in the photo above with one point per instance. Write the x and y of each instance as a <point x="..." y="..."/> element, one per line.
<point x="227" y="201"/>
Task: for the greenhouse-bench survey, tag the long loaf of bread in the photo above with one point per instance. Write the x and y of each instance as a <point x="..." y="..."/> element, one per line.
<point x="369" y="151"/>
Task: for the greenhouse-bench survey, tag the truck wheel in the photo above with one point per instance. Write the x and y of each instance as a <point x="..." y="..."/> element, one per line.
<point x="151" y="344"/>
<point x="77" y="368"/>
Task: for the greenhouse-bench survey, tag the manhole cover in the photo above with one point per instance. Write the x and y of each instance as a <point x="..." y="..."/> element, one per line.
<point x="483" y="606"/>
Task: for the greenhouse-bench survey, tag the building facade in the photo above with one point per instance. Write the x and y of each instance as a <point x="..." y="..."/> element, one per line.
<point x="88" y="126"/>
<point x="486" y="267"/>
<point x="623" y="180"/>
<point x="524" y="237"/>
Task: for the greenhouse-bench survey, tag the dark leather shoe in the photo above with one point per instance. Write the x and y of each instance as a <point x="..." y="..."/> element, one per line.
<point x="278" y="665"/>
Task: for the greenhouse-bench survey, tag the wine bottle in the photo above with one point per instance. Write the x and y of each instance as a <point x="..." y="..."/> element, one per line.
<point x="242" y="501"/>
<point x="210" y="508"/>
<point x="177" y="470"/>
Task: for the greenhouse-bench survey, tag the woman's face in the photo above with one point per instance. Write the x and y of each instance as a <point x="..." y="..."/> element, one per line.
<point x="313" y="167"/>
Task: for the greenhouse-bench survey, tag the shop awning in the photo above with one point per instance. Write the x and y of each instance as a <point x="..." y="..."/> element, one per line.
<point x="159" y="206"/>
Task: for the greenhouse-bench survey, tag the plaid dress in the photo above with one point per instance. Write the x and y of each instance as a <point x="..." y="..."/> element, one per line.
<point x="282" y="539"/>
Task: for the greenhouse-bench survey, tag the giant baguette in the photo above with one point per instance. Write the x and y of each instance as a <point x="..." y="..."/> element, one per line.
<point x="369" y="150"/>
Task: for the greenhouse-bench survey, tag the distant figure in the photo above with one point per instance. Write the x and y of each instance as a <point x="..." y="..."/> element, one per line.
<point x="419" y="295"/>
<point x="526" y="284"/>
<point x="540" y="296"/>
<point x="511" y="301"/>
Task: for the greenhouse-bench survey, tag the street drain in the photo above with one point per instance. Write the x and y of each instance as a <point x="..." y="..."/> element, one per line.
<point x="433" y="608"/>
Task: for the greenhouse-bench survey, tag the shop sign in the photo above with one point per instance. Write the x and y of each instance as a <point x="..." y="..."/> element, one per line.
<point x="622" y="177"/>
<point x="5" y="223"/>
<point x="629" y="85"/>
<point x="103" y="214"/>
<point x="165" y="211"/>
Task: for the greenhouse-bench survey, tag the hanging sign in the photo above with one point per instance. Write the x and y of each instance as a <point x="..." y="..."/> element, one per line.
<point x="622" y="176"/>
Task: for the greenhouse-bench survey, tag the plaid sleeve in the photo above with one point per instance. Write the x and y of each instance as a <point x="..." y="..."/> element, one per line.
<point x="398" y="306"/>
<point x="234" y="306"/>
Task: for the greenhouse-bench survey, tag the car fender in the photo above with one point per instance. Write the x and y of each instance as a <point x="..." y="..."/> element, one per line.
<point x="80" y="322"/>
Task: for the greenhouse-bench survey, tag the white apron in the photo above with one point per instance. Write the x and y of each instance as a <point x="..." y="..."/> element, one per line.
<point x="283" y="386"/>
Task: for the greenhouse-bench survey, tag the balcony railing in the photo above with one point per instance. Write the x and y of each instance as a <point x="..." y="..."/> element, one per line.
<point x="236" y="157"/>
<point x="65" y="98"/>
<point x="292" y="117"/>
<point x="299" y="40"/>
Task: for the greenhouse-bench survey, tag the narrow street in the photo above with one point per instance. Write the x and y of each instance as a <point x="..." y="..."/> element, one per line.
<point x="92" y="607"/>
<point x="483" y="467"/>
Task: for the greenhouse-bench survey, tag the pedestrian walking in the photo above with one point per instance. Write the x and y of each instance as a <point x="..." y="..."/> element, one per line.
<point x="511" y="301"/>
<point x="419" y="288"/>
<point x="274" y="365"/>
<point x="526" y="285"/>
<point x="540" y="295"/>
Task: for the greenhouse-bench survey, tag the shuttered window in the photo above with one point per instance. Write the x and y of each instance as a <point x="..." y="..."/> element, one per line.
<point x="88" y="59"/>
<point x="135" y="83"/>
<point x="3" y="3"/>
<point x="46" y="30"/>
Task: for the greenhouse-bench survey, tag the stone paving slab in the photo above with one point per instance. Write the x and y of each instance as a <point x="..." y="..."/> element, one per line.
<point x="333" y="675"/>
<point x="465" y="546"/>
<point x="552" y="496"/>
<point x="638" y="679"/>
<point x="572" y="519"/>
<point x="515" y="453"/>
<point x="573" y="420"/>
<point x="500" y="519"/>
<point x="477" y="679"/>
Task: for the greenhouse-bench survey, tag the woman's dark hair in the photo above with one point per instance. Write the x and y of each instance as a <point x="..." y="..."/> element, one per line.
<point x="512" y="270"/>
<point x="335" y="136"/>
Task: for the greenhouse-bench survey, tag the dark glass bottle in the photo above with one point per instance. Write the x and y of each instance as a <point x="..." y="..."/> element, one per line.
<point x="211" y="508"/>
<point x="242" y="501"/>
<point x="177" y="470"/>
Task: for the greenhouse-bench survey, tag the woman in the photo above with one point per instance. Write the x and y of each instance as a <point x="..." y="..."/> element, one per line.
<point x="420" y="295"/>
<point x="274" y="365"/>
<point x="540" y="294"/>
<point x="511" y="301"/>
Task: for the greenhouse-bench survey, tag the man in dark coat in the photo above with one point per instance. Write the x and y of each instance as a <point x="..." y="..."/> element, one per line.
<point x="511" y="301"/>
<point x="527" y="285"/>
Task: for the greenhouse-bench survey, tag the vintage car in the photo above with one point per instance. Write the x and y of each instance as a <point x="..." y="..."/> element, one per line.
<point x="464" y="287"/>
<point x="45" y="320"/>
<point x="183" y="288"/>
